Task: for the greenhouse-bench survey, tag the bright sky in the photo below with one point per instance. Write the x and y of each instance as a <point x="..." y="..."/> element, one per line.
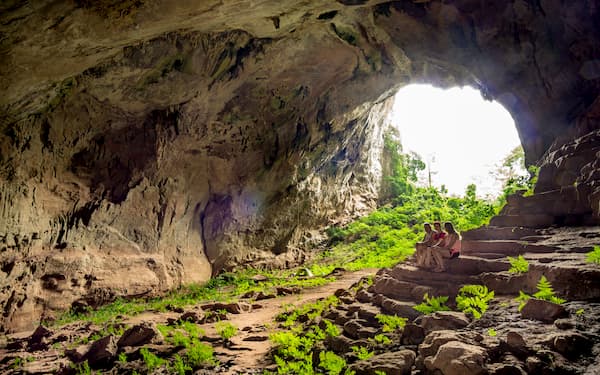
<point x="464" y="135"/>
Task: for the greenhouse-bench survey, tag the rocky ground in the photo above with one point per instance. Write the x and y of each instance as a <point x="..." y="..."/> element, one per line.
<point x="542" y="338"/>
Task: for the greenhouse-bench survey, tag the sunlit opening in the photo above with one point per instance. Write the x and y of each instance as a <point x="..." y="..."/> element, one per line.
<point x="460" y="136"/>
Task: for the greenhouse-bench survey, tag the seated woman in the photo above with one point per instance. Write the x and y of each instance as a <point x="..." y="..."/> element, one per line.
<point x="447" y="249"/>
<point x="422" y="256"/>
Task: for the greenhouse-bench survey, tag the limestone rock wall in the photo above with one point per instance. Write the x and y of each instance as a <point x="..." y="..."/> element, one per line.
<point x="144" y="144"/>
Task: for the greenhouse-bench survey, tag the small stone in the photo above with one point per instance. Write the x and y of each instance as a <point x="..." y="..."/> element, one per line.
<point x="259" y="278"/>
<point x="564" y="324"/>
<point x="457" y="357"/>
<point x="256" y="338"/>
<point x="189" y="316"/>
<point x="352" y="328"/>
<point x="571" y="344"/>
<point x="544" y="311"/>
<point x="516" y="344"/>
<point x="339" y="344"/>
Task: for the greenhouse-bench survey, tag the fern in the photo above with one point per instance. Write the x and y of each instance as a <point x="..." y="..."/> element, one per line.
<point x="362" y="352"/>
<point x="594" y="255"/>
<point x="546" y="292"/>
<point x="522" y="299"/>
<point x="518" y="264"/>
<point x="390" y="322"/>
<point x="473" y="299"/>
<point x="433" y="304"/>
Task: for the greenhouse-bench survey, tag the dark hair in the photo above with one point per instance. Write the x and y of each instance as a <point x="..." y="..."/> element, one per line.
<point x="449" y="228"/>
<point x="437" y="223"/>
<point x="427" y="225"/>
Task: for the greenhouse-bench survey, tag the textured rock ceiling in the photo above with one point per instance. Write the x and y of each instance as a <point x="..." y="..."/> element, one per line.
<point x="148" y="143"/>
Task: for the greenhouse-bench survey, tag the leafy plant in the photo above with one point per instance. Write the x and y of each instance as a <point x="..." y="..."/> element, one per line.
<point x="331" y="329"/>
<point x="546" y="292"/>
<point x="390" y="322"/>
<point x="522" y="299"/>
<point x="473" y="299"/>
<point x="199" y="354"/>
<point x="151" y="360"/>
<point x="492" y="332"/>
<point x="594" y="255"/>
<point x="226" y="330"/>
<point x="179" y="367"/>
<point x="432" y="304"/>
<point x="17" y="363"/>
<point x="82" y="368"/>
<point x="123" y="357"/>
<point x="518" y="265"/>
<point x="382" y="339"/>
<point x="332" y="363"/>
<point x="362" y="352"/>
<point x="579" y="312"/>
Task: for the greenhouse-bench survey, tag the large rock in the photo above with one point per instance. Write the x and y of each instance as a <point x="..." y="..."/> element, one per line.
<point x="544" y="311"/>
<point x="102" y="352"/>
<point x="458" y="358"/>
<point x="139" y="335"/>
<point x="444" y="320"/>
<point x="393" y="363"/>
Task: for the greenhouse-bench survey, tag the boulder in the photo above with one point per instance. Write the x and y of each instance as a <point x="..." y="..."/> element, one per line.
<point x="458" y="358"/>
<point x="571" y="344"/>
<point x="393" y="363"/>
<point x="233" y="308"/>
<point x="358" y="329"/>
<point x="544" y="311"/>
<point x="412" y="334"/>
<point x="339" y="344"/>
<point x="139" y="335"/>
<point x="38" y="339"/>
<point x="516" y="344"/>
<point x="443" y="320"/>
<point x="393" y="307"/>
<point x="102" y="352"/>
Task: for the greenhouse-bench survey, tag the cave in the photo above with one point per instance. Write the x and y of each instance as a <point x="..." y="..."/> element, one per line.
<point x="145" y="145"/>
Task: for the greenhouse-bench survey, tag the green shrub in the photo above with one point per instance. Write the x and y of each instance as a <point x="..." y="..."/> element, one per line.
<point x="390" y="322"/>
<point x="362" y="352"/>
<point x="332" y="363"/>
<point x="594" y="255"/>
<point x="179" y="367"/>
<point x="123" y="357"/>
<point x="151" y="360"/>
<point x="382" y="339"/>
<point x="432" y="304"/>
<point x="518" y="265"/>
<point x="473" y="299"/>
<point x="226" y="330"/>
<point x="199" y="354"/>
<point x="492" y="332"/>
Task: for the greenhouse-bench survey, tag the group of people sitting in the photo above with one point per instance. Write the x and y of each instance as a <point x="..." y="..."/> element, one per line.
<point x="437" y="245"/>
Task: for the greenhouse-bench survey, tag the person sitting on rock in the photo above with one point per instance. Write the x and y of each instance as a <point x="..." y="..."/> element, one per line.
<point x="422" y="256"/>
<point x="448" y="248"/>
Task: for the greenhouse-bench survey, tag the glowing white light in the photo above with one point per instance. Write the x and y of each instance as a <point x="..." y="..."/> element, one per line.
<point x="464" y="135"/>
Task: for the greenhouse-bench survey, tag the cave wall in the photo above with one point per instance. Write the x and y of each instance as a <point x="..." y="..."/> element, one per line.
<point x="145" y="144"/>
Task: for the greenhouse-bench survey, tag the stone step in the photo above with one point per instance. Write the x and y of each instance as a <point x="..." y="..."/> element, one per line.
<point x="504" y="247"/>
<point x="523" y="220"/>
<point x="499" y="233"/>
<point x="469" y="265"/>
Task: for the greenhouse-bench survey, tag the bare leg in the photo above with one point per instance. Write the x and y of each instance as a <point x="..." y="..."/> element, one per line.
<point x="439" y="254"/>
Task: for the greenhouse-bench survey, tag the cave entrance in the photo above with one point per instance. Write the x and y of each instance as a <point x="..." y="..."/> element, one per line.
<point x="461" y="137"/>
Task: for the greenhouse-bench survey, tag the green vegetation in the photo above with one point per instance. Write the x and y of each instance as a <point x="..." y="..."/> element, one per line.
<point x="362" y="352"/>
<point x="123" y="357"/>
<point x="391" y="322"/>
<point x="224" y="287"/>
<point x="594" y="255"/>
<point x="226" y="330"/>
<point x="545" y="292"/>
<point x="432" y="304"/>
<point x="387" y="236"/>
<point x="381" y="339"/>
<point x="518" y="265"/>
<point x="200" y="354"/>
<point x="151" y="360"/>
<point x="332" y="363"/>
<point x="82" y="369"/>
<point x="473" y="299"/>
<point x="492" y="332"/>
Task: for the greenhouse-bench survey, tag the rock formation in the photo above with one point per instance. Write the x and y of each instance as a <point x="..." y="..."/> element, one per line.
<point x="145" y="144"/>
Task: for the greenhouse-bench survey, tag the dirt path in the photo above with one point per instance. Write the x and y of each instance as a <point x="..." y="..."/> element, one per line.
<point x="250" y="346"/>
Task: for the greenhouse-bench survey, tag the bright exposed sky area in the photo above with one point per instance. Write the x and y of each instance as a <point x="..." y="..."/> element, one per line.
<point x="464" y="135"/>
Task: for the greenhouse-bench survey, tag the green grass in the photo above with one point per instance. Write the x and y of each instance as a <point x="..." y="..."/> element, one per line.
<point x="225" y="287"/>
<point x="226" y="330"/>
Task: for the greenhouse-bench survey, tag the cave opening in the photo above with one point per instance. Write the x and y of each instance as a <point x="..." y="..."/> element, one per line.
<point x="461" y="137"/>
